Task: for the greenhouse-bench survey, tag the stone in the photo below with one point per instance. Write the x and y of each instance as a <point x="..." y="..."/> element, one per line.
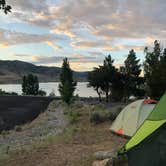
<point x="101" y="155"/>
<point x="106" y="162"/>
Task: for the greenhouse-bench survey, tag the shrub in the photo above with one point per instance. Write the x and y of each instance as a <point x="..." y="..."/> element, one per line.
<point x="52" y="94"/>
<point x="30" y="85"/>
<point x="77" y="105"/>
<point x="18" y="128"/>
<point x="8" y="93"/>
<point x="118" y="110"/>
<point x="114" y="113"/>
<point x="4" y="133"/>
<point x="96" y="118"/>
<point x="111" y="116"/>
<point x="73" y="117"/>
<point x="75" y="98"/>
<point x="42" y="92"/>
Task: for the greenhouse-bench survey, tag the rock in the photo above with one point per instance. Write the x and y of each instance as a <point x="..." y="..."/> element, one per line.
<point x="121" y="161"/>
<point x="101" y="155"/>
<point x="106" y="162"/>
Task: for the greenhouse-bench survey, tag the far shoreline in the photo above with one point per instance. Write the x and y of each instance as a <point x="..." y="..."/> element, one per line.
<point x="18" y="83"/>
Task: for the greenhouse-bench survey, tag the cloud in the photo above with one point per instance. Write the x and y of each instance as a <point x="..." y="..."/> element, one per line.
<point x="53" y="45"/>
<point x="30" y="5"/>
<point x="22" y="55"/>
<point x="91" y="26"/>
<point x="46" y="60"/>
<point x="105" y="46"/>
<point x="125" y="47"/>
<point x="77" y="58"/>
<point x="9" y="38"/>
<point x="95" y="53"/>
<point x="85" y="44"/>
<point x="107" y="18"/>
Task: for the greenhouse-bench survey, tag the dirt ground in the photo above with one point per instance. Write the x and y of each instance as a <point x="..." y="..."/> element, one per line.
<point x="77" y="151"/>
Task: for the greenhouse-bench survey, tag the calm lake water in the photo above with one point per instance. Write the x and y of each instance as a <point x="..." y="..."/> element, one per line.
<point x="82" y="90"/>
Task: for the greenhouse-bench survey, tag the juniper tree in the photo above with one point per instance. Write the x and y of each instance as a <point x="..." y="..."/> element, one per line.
<point x="95" y="79"/>
<point x="132" y="70"/>
<point x="153" y="71"/>
<point x="67" y="85"/>
<point x="30" y="85"/>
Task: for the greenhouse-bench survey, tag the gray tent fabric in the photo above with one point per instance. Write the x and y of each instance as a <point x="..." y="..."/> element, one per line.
<point x="151" y="152"/>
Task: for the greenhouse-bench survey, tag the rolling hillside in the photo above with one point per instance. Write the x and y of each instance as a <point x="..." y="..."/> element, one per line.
<point x="12" y="72"/>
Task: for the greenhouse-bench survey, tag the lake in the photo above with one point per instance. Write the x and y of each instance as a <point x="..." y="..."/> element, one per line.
<point x="82" y="90"/>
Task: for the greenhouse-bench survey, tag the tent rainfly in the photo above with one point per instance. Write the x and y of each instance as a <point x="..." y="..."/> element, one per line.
<point x="132" y="116"/>
<point x="148" y="145"/>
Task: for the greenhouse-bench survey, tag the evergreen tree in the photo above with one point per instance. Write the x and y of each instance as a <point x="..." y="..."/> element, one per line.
<point x="95" y="79"/>
<point x="109" y="75"/>
<point x="132" y="66"/>
<point x="117" y="91"/>
<point x="107" y="80"/>
<point x="30" y="85"/>
<point x="67" y="84"/>
<point x="132" y="71"/>
<point x="153" y="71"/>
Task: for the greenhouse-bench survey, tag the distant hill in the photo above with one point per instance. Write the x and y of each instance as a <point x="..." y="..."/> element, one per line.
<point x="13" y="71"/>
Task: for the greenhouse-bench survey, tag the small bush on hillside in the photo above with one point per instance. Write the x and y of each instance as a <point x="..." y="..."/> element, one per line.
<point x="42" y="93"/>
<point x="96" y="118"/>
<point x="75" y="98"/>
<point x="73" y="117"/>
<point x="118" y="110"/>
<point x="4" y="133"/>
<point x="101" y="114"/>
<point x="18" y="128"/>
<point x="101" y="107"/>
<point x="52" y="94"/>
<point x="77" y="105"/>
<point x="111" y="116"/>
<point x="7" y="93"/>
<point x="114" y="113"/>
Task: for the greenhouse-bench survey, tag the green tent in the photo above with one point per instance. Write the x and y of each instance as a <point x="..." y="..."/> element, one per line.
<point x="132" y="116"/>
<point x="148" y="145"/>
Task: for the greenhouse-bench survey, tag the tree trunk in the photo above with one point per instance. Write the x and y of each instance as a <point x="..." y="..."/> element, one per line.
<point x="107" y="96"/>
<point x="99" y="94"/>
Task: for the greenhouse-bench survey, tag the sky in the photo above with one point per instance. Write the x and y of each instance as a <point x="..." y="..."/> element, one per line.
<point x="43" y="32"/>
